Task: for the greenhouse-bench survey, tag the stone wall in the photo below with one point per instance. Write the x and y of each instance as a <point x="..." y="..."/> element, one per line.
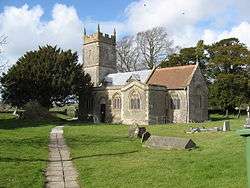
<point x="105" y="96"/>
<point x="135" y="116"/>
<point x="157" y="104"/>
<point x="198" y="98"/>
<point x="99" y="60"/>
<point x="178" y="115"/>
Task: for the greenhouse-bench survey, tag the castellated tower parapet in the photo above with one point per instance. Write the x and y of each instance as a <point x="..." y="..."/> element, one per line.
<point x="100" y="37"/>
<point x="99" y="55"/>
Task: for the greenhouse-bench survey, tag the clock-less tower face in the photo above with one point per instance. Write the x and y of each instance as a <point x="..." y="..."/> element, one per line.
<point x="107" y="55"/>
<point x="99" y="58"/>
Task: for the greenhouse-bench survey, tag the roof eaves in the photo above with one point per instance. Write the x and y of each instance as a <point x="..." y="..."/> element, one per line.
<point x="149" y="76"/>
<point x="192" y="74"/>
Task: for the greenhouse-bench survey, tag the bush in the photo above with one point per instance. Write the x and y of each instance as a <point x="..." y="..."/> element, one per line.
<point x="35" y="112"/>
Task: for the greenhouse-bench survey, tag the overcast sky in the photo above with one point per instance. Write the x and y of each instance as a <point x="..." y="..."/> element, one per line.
<point x="29" y="24"/>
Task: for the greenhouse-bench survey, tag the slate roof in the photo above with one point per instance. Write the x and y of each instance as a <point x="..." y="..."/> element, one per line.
<point x="118" y="79"/>
<point x="173" y="77"/>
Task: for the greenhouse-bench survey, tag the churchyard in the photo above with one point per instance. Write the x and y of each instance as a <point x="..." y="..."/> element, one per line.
<point x="104" y="156"/>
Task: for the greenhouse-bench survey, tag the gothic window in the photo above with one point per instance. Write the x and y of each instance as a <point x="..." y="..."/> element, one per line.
<point x="135" y="102"/>
<point x="117" y="102"/>
<point x="175" y="102"/>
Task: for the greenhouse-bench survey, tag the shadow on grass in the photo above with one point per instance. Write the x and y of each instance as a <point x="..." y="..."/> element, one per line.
<point x="15" y="159"/>
<point x="105" y="154"/>
<point x="219" y="118"/>
<point x="10" y="122"/>
<point x="87" y="140"/>
<point x="17" y="123"/>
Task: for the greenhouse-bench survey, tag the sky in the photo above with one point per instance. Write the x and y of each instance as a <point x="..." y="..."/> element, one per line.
<point x="32" y="23"/>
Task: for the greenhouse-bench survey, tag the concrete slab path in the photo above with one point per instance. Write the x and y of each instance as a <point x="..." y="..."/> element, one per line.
<point x="60" y="172"/>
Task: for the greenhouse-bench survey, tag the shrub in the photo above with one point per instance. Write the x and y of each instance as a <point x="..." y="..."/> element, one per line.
<point x="35" y="112"/>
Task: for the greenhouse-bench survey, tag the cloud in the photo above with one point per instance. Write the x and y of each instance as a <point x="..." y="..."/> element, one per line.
<point x="180" y="17"/>
<point x="240" y="31"/>
<point x="26" y="31"/>
<point x="192" y="20"/>
<point x="186" y="21"/>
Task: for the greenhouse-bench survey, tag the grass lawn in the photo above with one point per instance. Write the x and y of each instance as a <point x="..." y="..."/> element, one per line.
<point x="105" y="157"/>
<point x="23" y="152"/>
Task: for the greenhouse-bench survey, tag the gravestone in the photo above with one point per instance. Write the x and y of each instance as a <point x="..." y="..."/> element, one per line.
<point x="161" y="142"/>
<point x="226" y="126"/>
<point x="132" y="131"/>
<point x="247" y="124"/>
<point x="145" y="136"/>
<point x="141" y="131"/>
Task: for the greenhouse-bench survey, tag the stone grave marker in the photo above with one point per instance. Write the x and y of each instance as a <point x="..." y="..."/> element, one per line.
<point x="145" y="136"/>
<point x="141" y="131"/>
<point x="132" y="131"/>
<point x="226" y="126"/>
<point x="161" y="142"/>
<point x="247" y="124"/>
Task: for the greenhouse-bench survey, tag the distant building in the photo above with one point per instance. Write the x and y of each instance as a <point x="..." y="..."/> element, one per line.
<point x="162" y="95"/>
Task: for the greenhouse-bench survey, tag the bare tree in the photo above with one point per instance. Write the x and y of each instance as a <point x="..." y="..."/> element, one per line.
<point x="3" y="41"/>
<point x="154" y="46"/>
<point x="127" y="54"/>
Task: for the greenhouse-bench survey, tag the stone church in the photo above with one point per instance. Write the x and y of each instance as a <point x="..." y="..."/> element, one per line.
<point x="161" y="95"/>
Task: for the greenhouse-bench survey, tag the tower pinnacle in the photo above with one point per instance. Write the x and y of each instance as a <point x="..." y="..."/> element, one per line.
<point x="98" y="28"/>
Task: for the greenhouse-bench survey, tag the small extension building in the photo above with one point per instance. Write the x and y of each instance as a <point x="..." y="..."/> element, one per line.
<point x="161" y="95"/>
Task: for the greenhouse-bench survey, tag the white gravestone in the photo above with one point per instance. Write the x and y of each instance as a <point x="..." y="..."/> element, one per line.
<point x="247" y="125"/>
<point x="226" y="126"/>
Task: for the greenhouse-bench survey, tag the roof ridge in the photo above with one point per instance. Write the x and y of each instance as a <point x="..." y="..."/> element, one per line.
<point x="129" y="72"/>
<point x="181" y="66"/>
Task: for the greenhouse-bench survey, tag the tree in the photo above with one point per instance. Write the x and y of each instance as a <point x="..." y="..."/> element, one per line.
<point x="127" y="55"/>
<point x="229" y="91"/>
<point x="154" y="46"/>
<point x="46" y="75"/>
<point x="187" y="56"/>
<point x="228" y="68"/>
<point x="228" y="56"/>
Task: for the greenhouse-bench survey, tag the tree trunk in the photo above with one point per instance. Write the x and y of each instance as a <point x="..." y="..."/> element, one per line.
<point x="238" y="115"/>
<point x="226" y="113"/>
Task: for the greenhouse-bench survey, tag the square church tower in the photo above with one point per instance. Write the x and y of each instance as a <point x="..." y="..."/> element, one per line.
<point x="99" y="55"/>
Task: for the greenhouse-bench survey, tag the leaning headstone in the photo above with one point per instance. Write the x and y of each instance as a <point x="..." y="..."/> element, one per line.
<point x="226" y="126"/>
<point x="141" y="131"/>
<point x="161" y="142"/>
<point x="145" y="136"/>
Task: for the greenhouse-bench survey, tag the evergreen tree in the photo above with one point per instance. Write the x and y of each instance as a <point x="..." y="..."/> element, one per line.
<point x="229" y="91"/>
<point x="46" y="75"/>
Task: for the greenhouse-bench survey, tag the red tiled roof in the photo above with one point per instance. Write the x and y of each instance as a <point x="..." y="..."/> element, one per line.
<point x="172" y="77"/>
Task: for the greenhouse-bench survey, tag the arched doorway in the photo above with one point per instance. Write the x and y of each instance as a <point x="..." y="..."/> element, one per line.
<point x="102" y="110"/>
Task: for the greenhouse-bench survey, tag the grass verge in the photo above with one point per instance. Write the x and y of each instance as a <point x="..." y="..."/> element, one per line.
<point x="23" y="152"/>
<point x="106" y="157"/>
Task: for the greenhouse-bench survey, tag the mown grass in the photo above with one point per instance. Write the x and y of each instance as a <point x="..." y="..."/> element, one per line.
<point x="23" y="152"/>
<point x="106" y="157"/>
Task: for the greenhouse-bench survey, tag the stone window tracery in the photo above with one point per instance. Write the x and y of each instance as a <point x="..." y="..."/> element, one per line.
<point x="135" y="102"/>
<point x="117" y="102"/>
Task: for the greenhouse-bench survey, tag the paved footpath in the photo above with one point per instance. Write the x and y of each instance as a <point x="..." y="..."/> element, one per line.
<point x="60" y="172"/>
